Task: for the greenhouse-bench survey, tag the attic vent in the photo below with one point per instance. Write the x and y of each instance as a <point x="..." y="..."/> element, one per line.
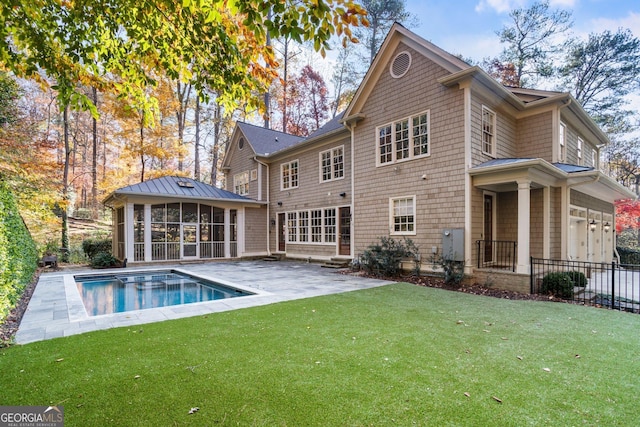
<point x="241" y="143"/>
<point x="185" y="184"/>
<point x="400" y="65"/>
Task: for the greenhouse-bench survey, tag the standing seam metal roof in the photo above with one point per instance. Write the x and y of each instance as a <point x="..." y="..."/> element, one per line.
<point x="169" y="186"/>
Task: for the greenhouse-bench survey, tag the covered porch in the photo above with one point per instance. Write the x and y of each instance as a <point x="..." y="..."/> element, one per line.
<point x="530" y="207"/>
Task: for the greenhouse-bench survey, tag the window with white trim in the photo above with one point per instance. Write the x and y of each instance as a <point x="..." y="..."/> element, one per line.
<point x="594" y="159"/>
<point x="488" y="131"/>
<point x="404" y="139"/>
<point x="289" y="175"/>
<point x="332" y="164"/>
<point x="561" y="140"/>
<point x="579" y="151"/>
<point x="312" y="226"/>
<point x="330" y="225"/>
<point x="292" y="227"/>
<point x="402" y="215"/>
<point x="303" y="226"/>
<point x="241" y="183"/>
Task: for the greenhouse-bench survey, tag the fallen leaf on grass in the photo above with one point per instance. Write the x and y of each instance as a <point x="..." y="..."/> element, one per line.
<point x="505" y="339"/>
<point x="546" y="369"/>
<point x="577" y="356"/>
<point x="136" y="377"/>
<point x="497" y="399"/>
<point x="466" y="393"/>
<point x="60" y="360"/>
<point x="193" y="410"/>
<point x="519" y="357"/>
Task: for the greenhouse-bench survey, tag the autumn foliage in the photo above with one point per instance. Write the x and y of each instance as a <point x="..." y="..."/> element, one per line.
<point x="627" y="215"/>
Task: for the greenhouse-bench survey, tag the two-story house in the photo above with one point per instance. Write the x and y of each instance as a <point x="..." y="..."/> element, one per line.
<point x="431" y="149"/>
<point x="436" y="150"/>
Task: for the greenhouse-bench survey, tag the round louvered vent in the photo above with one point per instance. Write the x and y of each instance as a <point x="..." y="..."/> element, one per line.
<point x="241" y="143"/>
<point x="400" y="65"/>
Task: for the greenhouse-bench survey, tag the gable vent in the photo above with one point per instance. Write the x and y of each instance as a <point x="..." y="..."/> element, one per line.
<point x="400" y="65"/>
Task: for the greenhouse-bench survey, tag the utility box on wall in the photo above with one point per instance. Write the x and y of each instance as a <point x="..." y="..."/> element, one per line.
<point x="453" y="244"/>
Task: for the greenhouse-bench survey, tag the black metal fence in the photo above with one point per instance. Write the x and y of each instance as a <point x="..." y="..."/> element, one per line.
<point x="497" y="254"/>
<point x="609" y="285"/>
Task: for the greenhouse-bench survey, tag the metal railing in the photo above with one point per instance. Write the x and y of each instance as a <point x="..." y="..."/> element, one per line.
<point x="497" y="254"/>
<point x="608" y="285"/>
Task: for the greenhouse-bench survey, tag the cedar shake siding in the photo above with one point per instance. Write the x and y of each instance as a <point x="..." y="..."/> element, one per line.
<point x="439" y="198"/>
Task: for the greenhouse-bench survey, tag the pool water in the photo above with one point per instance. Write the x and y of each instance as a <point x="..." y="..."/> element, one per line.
<point x="117" y="293"/>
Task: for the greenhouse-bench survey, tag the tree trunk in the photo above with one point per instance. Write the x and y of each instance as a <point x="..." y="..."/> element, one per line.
<point x="196" y="143"/>
<point x="65" y="188"/>
<point x="94" y="162"/>
<point x="217" y="125"/>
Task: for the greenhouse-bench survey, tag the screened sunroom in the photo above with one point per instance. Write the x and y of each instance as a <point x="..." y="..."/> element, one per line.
<point x="176" y="218"/>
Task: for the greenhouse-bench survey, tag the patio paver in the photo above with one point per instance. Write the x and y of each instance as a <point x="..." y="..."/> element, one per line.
<point x="56" y="309"/>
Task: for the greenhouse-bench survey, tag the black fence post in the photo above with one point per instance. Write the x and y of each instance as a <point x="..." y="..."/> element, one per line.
<point x="613" y="285"/>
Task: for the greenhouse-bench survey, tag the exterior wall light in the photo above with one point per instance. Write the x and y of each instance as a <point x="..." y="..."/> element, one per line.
<point x="607" y="227"/>
<point x="592" y="225"/>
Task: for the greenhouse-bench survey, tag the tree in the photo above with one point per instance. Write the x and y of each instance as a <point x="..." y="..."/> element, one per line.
<point x="308" y="102"/>
<point x="530" y="41"/>
<point x="216" y="45"/>
<point x="381" y="15"/>
<point x="602" y="70"/>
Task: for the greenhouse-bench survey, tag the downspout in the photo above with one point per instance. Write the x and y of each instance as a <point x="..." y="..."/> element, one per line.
<point x="268" y="205"/>
<point x="564" y="207"/>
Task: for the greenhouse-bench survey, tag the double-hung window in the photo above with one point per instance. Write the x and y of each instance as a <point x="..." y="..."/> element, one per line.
<point x="332" y="164"/>
<point x="488" y="131"/>
<point x="562" y="141"/>
<point x="241" y="183"/>
<point x="404" y="139"/>
<point x="579" y="150"/>
<point x="402" y="215"/>
<point x="289" y="175"/>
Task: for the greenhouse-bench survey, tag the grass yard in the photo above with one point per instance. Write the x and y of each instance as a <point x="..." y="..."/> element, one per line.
<point x="400" y="355"/>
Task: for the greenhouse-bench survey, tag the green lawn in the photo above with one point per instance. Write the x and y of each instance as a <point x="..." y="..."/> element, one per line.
<point x="399" y="355"/>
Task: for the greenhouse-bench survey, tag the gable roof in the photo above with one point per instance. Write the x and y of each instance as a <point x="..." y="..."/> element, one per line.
<point x="176" y="187"/>
<point x="267" y="141"/>
<point x="398" y="34"/>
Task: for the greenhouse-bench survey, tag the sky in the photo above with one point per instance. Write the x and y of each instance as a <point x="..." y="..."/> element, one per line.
<point x="468" y="27"/>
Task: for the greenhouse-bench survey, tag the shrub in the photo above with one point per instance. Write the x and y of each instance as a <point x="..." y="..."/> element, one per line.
<point x="578" y="278"/>
<point x="92" y="247"/>
<point x="628" y="255"/>
<point x="558" y="284"/>
<point x="103" y="260"/>
<point x="18" y="254"/>
<point x="453" y="270"/>
<point x="385" y="258"/>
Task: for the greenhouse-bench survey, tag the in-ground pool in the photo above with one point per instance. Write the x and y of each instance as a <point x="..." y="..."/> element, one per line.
<point x="139" y="290"/>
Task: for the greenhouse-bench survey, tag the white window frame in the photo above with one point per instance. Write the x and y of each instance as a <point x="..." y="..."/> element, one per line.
<point x="594" y="162"/>
<point x="241" y="183"/>
<point x="579" y="150"/>
<point x="399" y="211"/>
<point x="488" y="130"/>
<point x="562" y="142"/>
<point x="332" y="164"/>
<point x="289" y="175"/>
<point x="402" y="136"/>
<point x="312" y="226"/>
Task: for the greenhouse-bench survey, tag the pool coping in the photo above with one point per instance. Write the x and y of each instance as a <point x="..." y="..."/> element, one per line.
<point x="56" y="308"/>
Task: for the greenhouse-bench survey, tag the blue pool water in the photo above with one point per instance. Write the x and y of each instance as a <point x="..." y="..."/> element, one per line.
<point x="117" y="293"/>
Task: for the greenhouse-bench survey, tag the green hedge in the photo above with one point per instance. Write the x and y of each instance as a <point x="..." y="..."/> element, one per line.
<point x="629" y="255"/>
<point x="18" y="254"/>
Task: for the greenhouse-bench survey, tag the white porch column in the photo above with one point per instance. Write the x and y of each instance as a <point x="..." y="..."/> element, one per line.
<point x="524" y="224"/>
<point x="240" y="230"/>
<point x="227" y="233"/>
<point x="128" y="231"/>
<point x="147" y="232"/>
<point x="546" y="223"/>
